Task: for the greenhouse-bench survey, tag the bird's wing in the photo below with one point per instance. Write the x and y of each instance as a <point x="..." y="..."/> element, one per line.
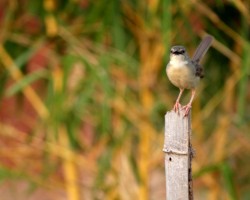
<point x="202" y="48"/>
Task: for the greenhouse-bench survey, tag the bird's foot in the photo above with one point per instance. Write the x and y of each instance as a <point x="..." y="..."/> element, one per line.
<point x="187" y="109"/>
<point x="177" y="106"/>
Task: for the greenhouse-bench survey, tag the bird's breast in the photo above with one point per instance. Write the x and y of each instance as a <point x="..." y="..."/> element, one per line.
<point x="182" y="76"/>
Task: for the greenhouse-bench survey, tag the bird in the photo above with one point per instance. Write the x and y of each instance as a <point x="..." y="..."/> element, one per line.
<point x="185" y="72"/>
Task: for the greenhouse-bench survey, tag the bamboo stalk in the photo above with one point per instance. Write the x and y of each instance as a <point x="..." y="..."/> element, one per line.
<point x="178" y="155"/>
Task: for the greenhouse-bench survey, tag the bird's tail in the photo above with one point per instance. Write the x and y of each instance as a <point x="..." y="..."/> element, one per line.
<point x="202" y="48"/>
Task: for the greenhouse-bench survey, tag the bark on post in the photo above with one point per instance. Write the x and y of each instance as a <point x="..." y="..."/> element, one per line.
<point x="178" y="156"/>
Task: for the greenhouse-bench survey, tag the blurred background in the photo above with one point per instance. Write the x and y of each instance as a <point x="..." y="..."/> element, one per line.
<point x="84" y="93"/>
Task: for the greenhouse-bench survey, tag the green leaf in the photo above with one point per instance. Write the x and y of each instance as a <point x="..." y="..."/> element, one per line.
<point x="27" y="80"/>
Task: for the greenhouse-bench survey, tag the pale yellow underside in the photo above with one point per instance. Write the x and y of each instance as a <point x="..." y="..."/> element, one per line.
<point x="182" y="77"/>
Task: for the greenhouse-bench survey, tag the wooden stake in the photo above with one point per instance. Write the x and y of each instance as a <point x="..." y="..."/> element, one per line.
<point x="178" y="156"/>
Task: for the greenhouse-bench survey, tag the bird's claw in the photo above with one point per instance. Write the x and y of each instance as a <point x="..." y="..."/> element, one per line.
<point x="187" y="109"/>
<point x="177" y="106"/>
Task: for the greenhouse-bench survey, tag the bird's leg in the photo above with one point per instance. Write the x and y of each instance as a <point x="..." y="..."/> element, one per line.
<point x="177" y="104"/>
<point x="189" y="105"/>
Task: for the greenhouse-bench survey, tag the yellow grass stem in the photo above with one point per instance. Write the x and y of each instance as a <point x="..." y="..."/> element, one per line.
<point x="17" y="75"/>
<point x="50" y="20"/>
<point x="69" y="167"/>
<point x="206" y="11"/>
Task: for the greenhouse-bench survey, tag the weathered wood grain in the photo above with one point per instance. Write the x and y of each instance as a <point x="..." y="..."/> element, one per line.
<point x="178" y="154"/>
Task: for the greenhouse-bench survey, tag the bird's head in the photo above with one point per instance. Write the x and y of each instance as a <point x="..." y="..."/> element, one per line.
<point x="178" y="53"/>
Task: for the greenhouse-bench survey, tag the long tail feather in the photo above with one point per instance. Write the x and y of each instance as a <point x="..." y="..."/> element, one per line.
<point x="202" y="48"/>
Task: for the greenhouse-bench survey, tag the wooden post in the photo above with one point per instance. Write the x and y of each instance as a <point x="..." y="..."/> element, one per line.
<point x="178" y="156"/>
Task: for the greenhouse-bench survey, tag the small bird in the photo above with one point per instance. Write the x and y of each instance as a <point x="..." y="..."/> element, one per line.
<point x="185" y="73"/>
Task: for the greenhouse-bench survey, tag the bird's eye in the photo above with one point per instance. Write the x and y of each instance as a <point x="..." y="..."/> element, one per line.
<point x="182" y="51"/>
